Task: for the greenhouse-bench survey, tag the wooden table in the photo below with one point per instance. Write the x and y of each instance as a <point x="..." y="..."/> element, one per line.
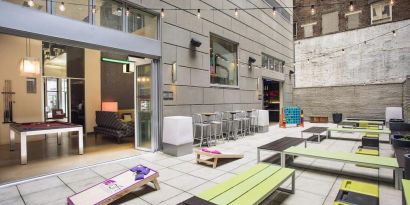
<point x="280" y="145"/>
<point x="314" y="130"/>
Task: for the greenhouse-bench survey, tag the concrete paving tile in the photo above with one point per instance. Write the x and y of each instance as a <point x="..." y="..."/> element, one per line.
<point x="109" y="170"/>
<point x="242" y="168"/>
<point x="229" y="166"/>
<point x="151" y="157"/>
<point x="328" y="165"/>
<point x="313" y="186"/>
<point x="78" y="186"/>
<point x="9" y="193"/>
<point x="166" y="192"/>
<point x="201" y="188"/>
<point x="207" y="173"/>
<point x="168" y="162"/>
<point x="168" y="173"/>
<point x="300" y="197"/>
<point x="132" y="201"/>
<point x="185" y="182"/>
<point x="186" y="167"/>
<point x="318" y="175"/>
<point x="48" y="196"/>
<point x="129" y="163"/>
<point x="352" y="169"/>
<point x="188" y="157"/>
<point x="177" y="199"/>
<point x="223" y="178"/>
<point x="12" y="201"/>
<point x="77" y="175"/>
<point x="39" y="185"/>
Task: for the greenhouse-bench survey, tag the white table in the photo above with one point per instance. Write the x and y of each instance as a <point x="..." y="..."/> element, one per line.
<point x="24" y="132"/>
<point x="263" y="120"/>
<point x="177" y="135"/>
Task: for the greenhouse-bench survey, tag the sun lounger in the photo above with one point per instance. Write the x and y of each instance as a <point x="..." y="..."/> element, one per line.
<point x="358" y="159"/>
<point x="114" y="188"/>
<point x="249" y="187"/>
<point x="214" y="155"/>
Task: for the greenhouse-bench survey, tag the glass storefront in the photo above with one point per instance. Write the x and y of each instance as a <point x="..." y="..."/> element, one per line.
<point x="109" y="14"/>
<point x="142" y="23"/>
<point x="73" y="9"/>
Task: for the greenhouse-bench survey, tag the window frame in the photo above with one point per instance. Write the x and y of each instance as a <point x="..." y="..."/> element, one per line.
<point x="212" y="35"/>
<point x="382" y="20"/>
<point x="273" y="60"/>
<point x="328" y="15"/>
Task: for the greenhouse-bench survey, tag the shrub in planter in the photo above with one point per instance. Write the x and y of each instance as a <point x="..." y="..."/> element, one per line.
<point x="401" y="140"/>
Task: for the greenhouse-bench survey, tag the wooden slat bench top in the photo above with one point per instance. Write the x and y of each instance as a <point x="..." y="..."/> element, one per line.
<point x="282" y="144"/>
<point x="383" y="131"/>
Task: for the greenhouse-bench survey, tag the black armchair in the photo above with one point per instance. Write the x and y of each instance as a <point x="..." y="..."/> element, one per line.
<point x="109" y="124"/>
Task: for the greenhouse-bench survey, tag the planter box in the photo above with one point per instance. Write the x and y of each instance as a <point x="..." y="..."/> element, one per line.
<point x="398" y="142"/>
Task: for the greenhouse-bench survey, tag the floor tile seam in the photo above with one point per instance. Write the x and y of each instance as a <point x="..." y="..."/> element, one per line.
<point x="330" y="189"/>
<point x="66" y="185"/>
<point x="21" y="196"/>
<point x="63" y="184"/>
<point x="205" y="178"/>
<point x="191" y="188"/>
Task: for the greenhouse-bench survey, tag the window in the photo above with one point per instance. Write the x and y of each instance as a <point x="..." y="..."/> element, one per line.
<point x="55" y="96"/>
<point x="74" y="9"/>
<point x="279" y="8"/>
<point x="271" y="63"/>
<point x="223" y="62"/>
<point x="330" y="22"/>
<point x="109" y="13"/>
<point x="39" y="5"/>
<point x="353" y="20"/>
<point x="308" y="29"/>
<point x="142" y="23"/>
<point x="381" y="12"/>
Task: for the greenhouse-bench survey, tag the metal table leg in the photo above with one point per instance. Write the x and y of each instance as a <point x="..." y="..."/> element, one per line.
<point x="282" y="159"/>
<point x="258" y="155"/>
<point x="23" y="147"/>
<point x="12" y="140"/>
<point x="80" y="141"/>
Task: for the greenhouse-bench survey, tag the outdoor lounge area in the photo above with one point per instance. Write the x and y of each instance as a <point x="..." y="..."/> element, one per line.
<point x="204" y="102"/>
<point x="317" y="181"/>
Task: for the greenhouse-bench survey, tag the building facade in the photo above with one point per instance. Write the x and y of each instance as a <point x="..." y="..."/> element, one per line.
<point x="204" y="56"/>
<point x="351" y="60"/>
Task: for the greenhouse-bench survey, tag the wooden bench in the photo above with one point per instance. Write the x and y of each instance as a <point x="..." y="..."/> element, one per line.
<point x="358" y="159"/>
<point x="214" y="157"/>
<point x="319" y="119"/>
<point x="249" y="187"/>
<point x="112" y="189"/>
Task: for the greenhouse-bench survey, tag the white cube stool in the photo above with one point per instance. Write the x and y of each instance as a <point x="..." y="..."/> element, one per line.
<point x="177" y="135"/>
<point x="263" y="120"/>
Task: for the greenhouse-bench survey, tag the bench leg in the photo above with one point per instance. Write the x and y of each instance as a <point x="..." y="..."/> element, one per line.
<point x="197" y="158"/>
<point x="398" y="176"/>
<point x="282" y="159"/>
<point x="293" y="182"/>
<point x="258" y="155"/>
<point x="156" y="184"/>
<point x="215" y="162"/>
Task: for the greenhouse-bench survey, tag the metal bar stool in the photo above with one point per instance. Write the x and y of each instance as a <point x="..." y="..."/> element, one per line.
<point x="204" y="129"/>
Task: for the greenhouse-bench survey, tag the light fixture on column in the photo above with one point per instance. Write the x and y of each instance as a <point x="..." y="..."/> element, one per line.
<point x="174" y="72"/>
<point x="274" y="11"/>
<point x="94" y="9"/>
<point x="351" y="7"/>
<point x="391" y="2"/>
<point x="162" y="13"/>
<point x="343" y="50"/>
<point x="29" y="66"/>
<point x="62" y="6"/>
<point x="308" y="60"/>
<point x="236" y="12"/>
<point x="394" y="33"/>
<point x="127" y="13"/>
<point x="30" y="3"/>
<point x="119" y="11"/>
<point x="199" y="13"/>
<point x="312" y="10"/>
<point x="251" y="60"/>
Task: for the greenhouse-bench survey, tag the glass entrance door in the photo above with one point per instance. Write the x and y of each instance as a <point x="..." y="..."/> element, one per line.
<point x="143" y="104"/>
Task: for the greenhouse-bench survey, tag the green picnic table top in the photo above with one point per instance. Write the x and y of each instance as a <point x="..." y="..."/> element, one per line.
<point x="406" y="190"/>
<point x="387" y="162"/>
<point x="340" y="129"/>
<point x="248" y="187"/>
<point x="365" y="121"/>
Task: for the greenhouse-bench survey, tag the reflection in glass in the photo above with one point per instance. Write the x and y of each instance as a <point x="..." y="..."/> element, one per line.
<point x="142" y="23"/>
<point x="56" y="96"/>
<point x="74" y="9"/>
<point x="224" y="64"/>
<point x="144" y="108"/>
<point x="109" y="13"/>
<point x="55" y="60"/>
<point x="39" y="5"/>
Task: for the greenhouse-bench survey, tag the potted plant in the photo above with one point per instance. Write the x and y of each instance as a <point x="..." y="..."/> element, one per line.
<point x="401" y="140"/>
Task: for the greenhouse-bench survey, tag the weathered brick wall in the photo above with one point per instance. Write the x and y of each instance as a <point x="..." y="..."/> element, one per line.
<point x="302" y="15"/>
<point x="368" y="101"/>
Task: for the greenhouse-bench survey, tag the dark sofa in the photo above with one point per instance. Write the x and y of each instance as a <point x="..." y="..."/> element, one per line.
<point x="109" y="124"/>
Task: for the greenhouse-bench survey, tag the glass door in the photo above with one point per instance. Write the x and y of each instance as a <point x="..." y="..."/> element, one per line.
<point x="143" y="104"/>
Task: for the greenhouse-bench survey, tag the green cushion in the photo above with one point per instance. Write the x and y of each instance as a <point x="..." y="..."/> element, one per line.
<point x="360" y="187"/>
<point x="343" y="156"/>
<point x="383" y="131"/>
<point x="372" y="152"/>
<point x="406" y="189"/>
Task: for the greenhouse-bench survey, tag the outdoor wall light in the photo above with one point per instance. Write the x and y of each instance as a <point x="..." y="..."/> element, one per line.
<point x="250" y="61"/>
<point x="174" y="72"/>
<point x="195" y="42"/>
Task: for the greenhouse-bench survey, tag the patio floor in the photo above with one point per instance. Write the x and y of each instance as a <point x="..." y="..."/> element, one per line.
<point x="181" y="178"/>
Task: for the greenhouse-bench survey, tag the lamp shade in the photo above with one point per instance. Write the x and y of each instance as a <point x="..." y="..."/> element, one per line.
<point x="109" y="106"/>
<point x="29" y="66"/>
